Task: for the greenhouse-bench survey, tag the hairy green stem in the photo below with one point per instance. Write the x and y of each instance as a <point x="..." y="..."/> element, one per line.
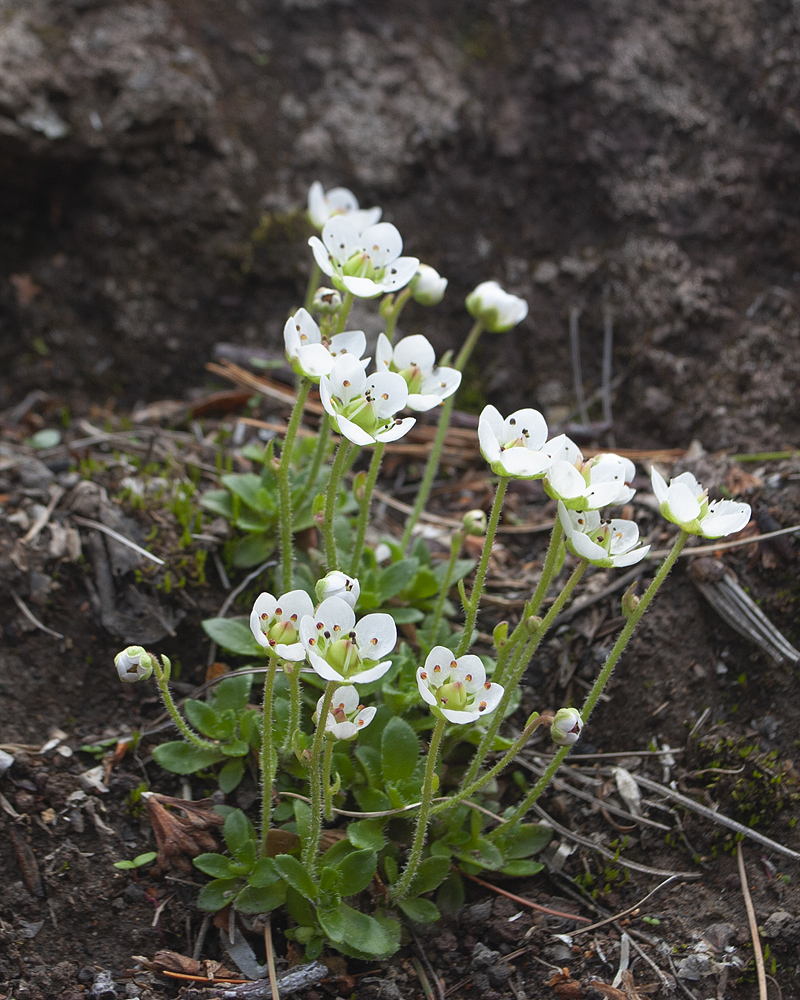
<point x="472" y="605"/>
<point x="528" y="650"/>
<point x="327" y="756"/>
<point x="329" y="537"/>
<point x="456" y="545"/>
<point x="400" y="889"/>
<point x="366" y="500"/>
<point x="311" y="288"/>
<point x="603" y="677"/>
<point x="344" y="312"/>
<point x="268" y="758"/>
<point x="438" y="442"/>
<point x="320" y="450"/>
<point x="393" y="314"/>
<point x="311" y="848"/>
<point x="285" y="487"/>
<point x="162" y="679"/>
<point x="294" y="705"/>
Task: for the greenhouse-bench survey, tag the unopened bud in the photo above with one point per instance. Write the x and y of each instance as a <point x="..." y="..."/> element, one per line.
<point x="134" y="664"/>
<point x="338" y="584"/>
<point x="327" y="301"/>
<point x="359" y="485"/>
<point x="500" y="634"/>
<point x="474" y="522"/>
<point x="532" y="624"/>
<point x="428" y="286"/>
<point x="629" y="600"/>
<point x="566" y="727"/>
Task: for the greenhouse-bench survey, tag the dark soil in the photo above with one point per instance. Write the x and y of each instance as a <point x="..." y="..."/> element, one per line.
<point x="637" y="161"/>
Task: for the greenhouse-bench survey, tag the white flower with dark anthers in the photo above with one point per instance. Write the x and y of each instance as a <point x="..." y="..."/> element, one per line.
<point x="566" y="727"/>
<point x="363" y="407"/>
<point x="364" y="263"/>
<point x="514" y="446"/>
<point x="275" y="623"/>
<point x="428" y="286"/>
<point x="496" y="309"/>
<point x="133" y="664"/>
<point x="311" y="354"/>
<point x="457" y="688"/>
<point x="686" y="503"/>
<point x="602" y="543"/>
<point x="338" y="584"/>
<point x="346" y="716"/>
<point x="587" y="485"/>
<point x="415" y="360"/>
<point x="324" y="205"/>
<point x="341" y="649"/>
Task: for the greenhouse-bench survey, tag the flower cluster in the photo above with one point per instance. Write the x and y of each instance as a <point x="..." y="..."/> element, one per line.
<point x="415" y="360"/>
<point x="457" y="689"/>
<point x="311" y="354"/>
<point x="686" y="503"/>
<point x="346" y="716"/>
<point x="365" y="263"/>
<point x="363" y="407"/>
<point x="324" y="205"/>
<point x="602" y="543"/>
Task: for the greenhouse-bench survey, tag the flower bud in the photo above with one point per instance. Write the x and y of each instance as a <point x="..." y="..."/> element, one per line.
<point x="566" y="727"/>
<point x="133" y="664"/>
<point x="474" y="522"/>
<point x="327" y="301"/>
<point x="500" y="634"/>
<point x="629" y="600"/>
<point x="428" y="286"/>
<point x="532" y="624"/>
<point x="337" y="584"/>
<point x="496" y="309"/>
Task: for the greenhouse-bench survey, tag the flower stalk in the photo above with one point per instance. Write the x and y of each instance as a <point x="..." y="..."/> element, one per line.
<point x="268" y="757"/>
<point x="310" y="856"/>
<point x="339" y="463"/>
<point x="162" y="679"/>
<point x="366" y="500"/>
<point x="284" y="485"/>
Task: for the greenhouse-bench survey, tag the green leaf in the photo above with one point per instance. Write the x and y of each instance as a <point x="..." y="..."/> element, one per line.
<point x="390" y="868"/>
<point x="295" y="874"/>
<point x="358" y="869"/>
<point x="370" y="759"/>
<point x="460" y="570"/>
<point x="405" y="616"/>
<point x="234" y="635"/>
<point x="202" y="716"/>
<point x="260" y="900"/>
<point x="330" y="882"/>
<point x="230" y="775"/>
<point x="451" y="895"/>
<point x="216" y="894"/>
<point x="215" y="865"/>
<point x="356" y="933"/>
<point x="302" y="816"/>
<point x="525" y="839"/>
<point x="264" y="873"/>
<point x="235" y="748"/>
<point x="218" y="502"/>
<point x="234" y="691"/>
<point x="399" y="750"/>
<point x="430" y="874"/>
<point x="185" y="758"/>
<point x="138" y="861"/>
<point x="423" y="585"/>
<point x="249" y="488"/>
<point x="485" y="855"/>
<point x="299" y="909"/>
<point x="421" y="552"/>
<point x="396" y="577"/>
<point x="366" y="834"/>
<point x="254" y="548"/>
<point x="240" y="836"/>
<point x="421" y="911"/>
<point x="522" y="867"/>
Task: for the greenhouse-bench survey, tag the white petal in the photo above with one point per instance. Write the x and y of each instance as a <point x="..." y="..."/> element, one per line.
<point x="340" y="201"/>
<point x="326" y="396"/>
<point x="305" y="327"/>
<point x="471" y="672"/>
<point x="294" y="652"/>
<point x="415" y="350"/>
<point x="321" y="256"/>
<point x="632" y="557"/>
<point x="340" y="238"/>
<point x="688" y="480"/>
<point x="347" y="378"/>
<point x="372" y="674"/>
<point x="624" y="535"/>
<point x="313" y="361"/>
<point x="317" y="208"/>
<point x="659" y="485"/>
<point x="398" y="274"/>
<point x="264" y="605"/>
<point x="335" y="612"/>
<point x="346" y="698"/>
<point x="529" y="420"/>
<point x="491" y="695"/>
<point x="389" y="392"/>
<point x="725" y="517"/>
<point x="341" y="730"/>
<point x="383" y="353"/>
<point x="353" y="432"/>
<point x="490" y="427"/>
<point x="363" y="218"/>
<point x="682" y="504"/>
<point x="323" y="668"/>
<point x="396" y="430"/>
<point x="376" y="636"/>
<point x="460" y="718"/>
<point x="523" y="464"/>
<point x="383" y="243"/>
<point x="563" y="449"/>
<point x="364" y="717"/>
<point x="425" y="692"/>
<point x="420" y="403"/>
<point x="362" y="288"/>
<point x="293" y="606"/>
<point x="352" y="342"/>
<point x="565" y="481"/>
<point x="585" y="548"/>
<point x="603" y="494"/>
<point x="441" y="381"/>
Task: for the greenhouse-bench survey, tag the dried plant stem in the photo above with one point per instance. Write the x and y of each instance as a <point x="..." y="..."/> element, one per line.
<point x="758" y="956"/>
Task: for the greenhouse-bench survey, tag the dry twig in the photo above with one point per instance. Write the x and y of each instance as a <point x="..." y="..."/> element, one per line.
<point x="758" y="955"/>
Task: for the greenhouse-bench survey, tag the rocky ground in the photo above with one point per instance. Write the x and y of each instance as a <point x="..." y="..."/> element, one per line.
<point x="632" y="164"/>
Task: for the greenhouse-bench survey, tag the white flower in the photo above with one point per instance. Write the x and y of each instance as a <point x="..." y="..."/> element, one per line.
<point x="415" y="360"/>
<point x="513" y="447"/>
<point x="324" y="205"/>
<point x="602" y="543"/>
<point x="337" y="584"/>
<point x="275" y="623"/>
<point x="566" y="727"/>
<point x="345" y="716"/>
<point x="362" y="407"/>
<point x="428" y="286"/>
<point x="133" y="664"/>
<point x="341" y="649"/>
<point x="497" y="310"/>
<point x="365" y="263"/>
<point x="685" y="503"/>
<point x="587" y="485"/>
<point x="311" y="354"/>
<point x="457" y="688"/>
